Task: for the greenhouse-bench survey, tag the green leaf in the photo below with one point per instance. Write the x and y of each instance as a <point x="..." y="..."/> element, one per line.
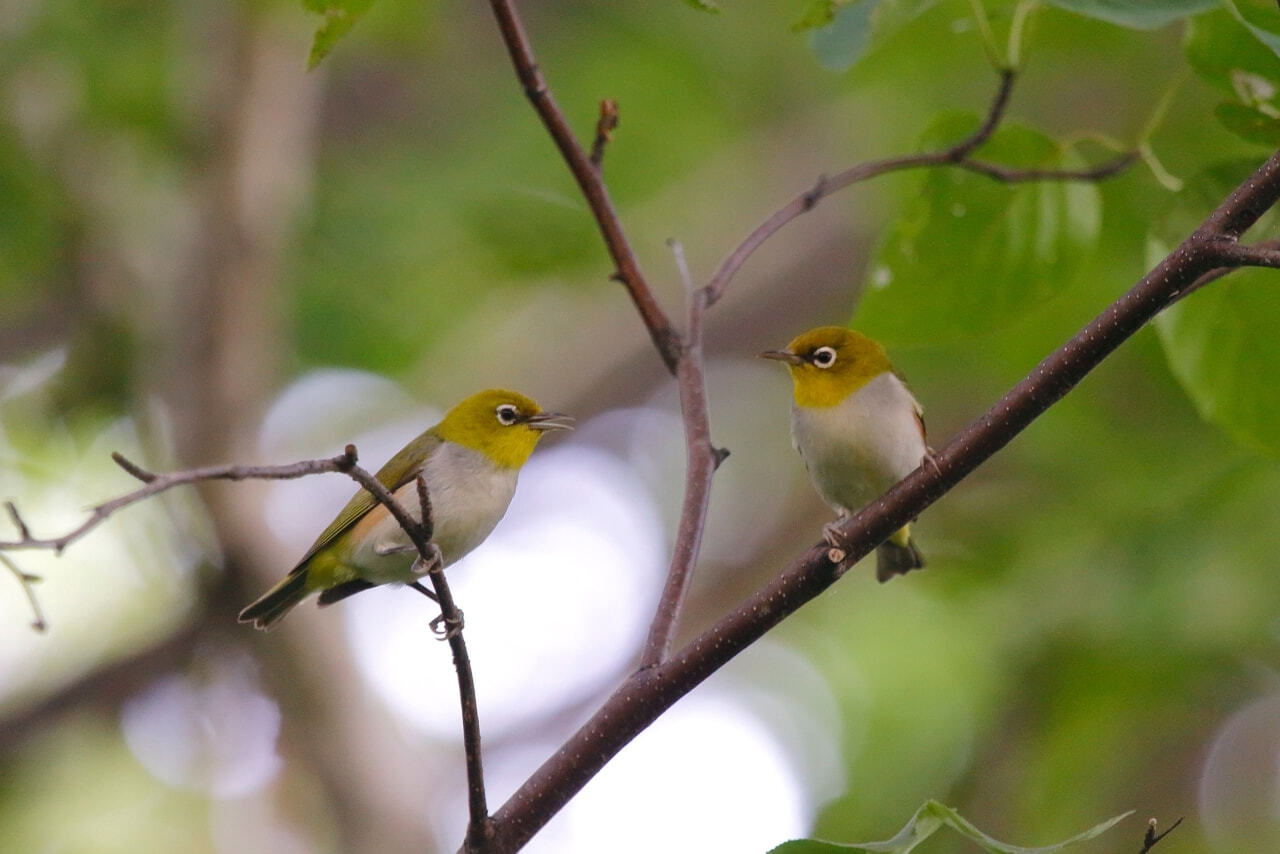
<point x="817" y="13"/>
<point x="1260" y="17"/>
<point x="842" y="42"/>
<point x="1220" y="341"/>
<point x="1136" y="14"/>
<point x="1221" y="50"/>
<point x="842" y="31"/>
<point x="927" y="820"/>
<point x="970" y="254"/>
<point x="1249" y="123"/>
<point x="703" y="5"/>
<point x="339" y="17"/>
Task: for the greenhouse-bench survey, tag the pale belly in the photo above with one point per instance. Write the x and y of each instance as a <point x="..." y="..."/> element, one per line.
<point x="857" y="449"/>
<point x="468" y="498"/>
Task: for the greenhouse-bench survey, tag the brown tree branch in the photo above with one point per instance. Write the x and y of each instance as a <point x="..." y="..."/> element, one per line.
<point x="648" y="693"/>
<point x="701" y="461"/>
<point x="157" y="483"/>
<point x="25" y="580"/>
<point x="958" y="155"/>
<point x="589" y="180"/>
<point x="419" y="533"/>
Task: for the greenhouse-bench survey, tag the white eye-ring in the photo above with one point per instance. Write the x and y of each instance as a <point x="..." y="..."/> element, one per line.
<point x="507" y="414"/>
<point x="823" y="357"/>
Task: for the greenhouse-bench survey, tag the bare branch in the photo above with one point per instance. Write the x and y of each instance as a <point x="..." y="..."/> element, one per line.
<point x="589" y="180"/>
<point x="955" y="155"/>
<point x="701" y="461"/>
<point x="649" y="692"/>
<point x="26" y="579"/>
<point x="156" y="484"/>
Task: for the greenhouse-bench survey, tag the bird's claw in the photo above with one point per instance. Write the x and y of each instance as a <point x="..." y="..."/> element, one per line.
<point x="394" y="549"/>
<point x="932" y="461"/>
<point x="421" y="567"/>
<point x="451" y="626"/>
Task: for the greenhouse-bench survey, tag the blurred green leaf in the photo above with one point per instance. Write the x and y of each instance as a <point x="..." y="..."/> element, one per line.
<point x="1220" y="341"/>
<point x="818" y="13"/>
<point x="842" y="31"/>
<point x="1220" y="50"/>
<point x="927" y="820"/>
<point x="840" y="43"/>
<point x="1249" y="123"/>
<point x="1260" y="17"/>
<point x="339" y="17"/>
<point x="1137" y="14"/>
<point x="969" y="254"/>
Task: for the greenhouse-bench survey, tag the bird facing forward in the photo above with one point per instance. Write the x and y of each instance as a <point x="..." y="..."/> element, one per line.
<point x="470" y="461"/>
<point x="857" y="427"/>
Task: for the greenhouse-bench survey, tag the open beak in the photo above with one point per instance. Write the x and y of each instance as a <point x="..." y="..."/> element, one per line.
<point x="782" y="356"/>
<point x="550" y="421"/>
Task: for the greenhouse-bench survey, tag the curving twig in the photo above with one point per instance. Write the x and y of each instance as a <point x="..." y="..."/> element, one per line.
<point x="587" y="174"/>
<point x="419" y="533"/>
<point x="958" y="155"/>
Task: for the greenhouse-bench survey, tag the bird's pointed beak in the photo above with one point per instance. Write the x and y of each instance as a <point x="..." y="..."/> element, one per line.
<point x="550" y="421"/>
<point x="782" y="356"/>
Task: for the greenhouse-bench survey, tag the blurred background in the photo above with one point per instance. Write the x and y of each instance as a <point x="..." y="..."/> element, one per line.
<point x="208" y="254"/>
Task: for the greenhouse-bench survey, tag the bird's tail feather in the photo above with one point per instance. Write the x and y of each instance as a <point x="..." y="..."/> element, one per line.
<point x="276" y="602"/>
<point x="897" y="558"/>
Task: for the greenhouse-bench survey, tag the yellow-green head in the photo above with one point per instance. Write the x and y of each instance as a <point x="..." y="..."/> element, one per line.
<point x="830" y="363"/>
<point x="503" y="425"/>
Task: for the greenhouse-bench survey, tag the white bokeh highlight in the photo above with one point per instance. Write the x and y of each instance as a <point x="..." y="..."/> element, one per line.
<point x="556" y="601"/>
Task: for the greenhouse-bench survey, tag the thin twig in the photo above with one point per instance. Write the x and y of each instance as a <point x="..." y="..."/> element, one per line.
<point x="478" y="810"/>
<point x="648" y="693"/>
<point x="156" y="484"/>
<point x="958" y="155"/>
<point x="605" y="126"/>
<point x="26" y="579"/>
<point x="589" y="180"/>
<point x="701" y="461"/>
<point x="419" y="532"/>
<point x="1151" y="838"/>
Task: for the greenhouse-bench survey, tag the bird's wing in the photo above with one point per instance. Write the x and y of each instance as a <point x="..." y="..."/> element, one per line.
<point x="398" y="471"/>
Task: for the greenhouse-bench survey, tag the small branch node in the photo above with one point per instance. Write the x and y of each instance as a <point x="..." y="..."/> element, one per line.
<point x="132" y="468"/>
<point x="605" y="126"/>
<point x="719" y="455"/>
<point x="1151" y="838"/>
<point x="815" y="194"/>
<point x="347" y="460"/>
<point x="836" y="555"/>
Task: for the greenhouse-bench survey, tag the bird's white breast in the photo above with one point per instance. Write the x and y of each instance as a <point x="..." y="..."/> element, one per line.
<point x="469" y="495"/>
<point x="860" y="447"/>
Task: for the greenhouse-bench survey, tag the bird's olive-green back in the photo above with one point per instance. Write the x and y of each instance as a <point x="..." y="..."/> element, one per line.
<point x="858" y="361"/>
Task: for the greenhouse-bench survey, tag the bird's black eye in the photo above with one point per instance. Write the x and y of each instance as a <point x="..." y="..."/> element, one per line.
<point x="823" y="357"/>
<point x="507" y="414"/>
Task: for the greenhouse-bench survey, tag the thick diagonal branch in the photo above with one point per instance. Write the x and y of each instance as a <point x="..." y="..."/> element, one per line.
<point x="648" y="693"/>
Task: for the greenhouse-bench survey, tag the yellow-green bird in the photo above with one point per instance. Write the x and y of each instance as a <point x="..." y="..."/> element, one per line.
<point x="470" y="461"/>
<point x="857" y="427"/>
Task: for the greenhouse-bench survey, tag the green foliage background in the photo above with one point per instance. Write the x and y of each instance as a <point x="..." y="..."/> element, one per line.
<point x="1101" y="597"/>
